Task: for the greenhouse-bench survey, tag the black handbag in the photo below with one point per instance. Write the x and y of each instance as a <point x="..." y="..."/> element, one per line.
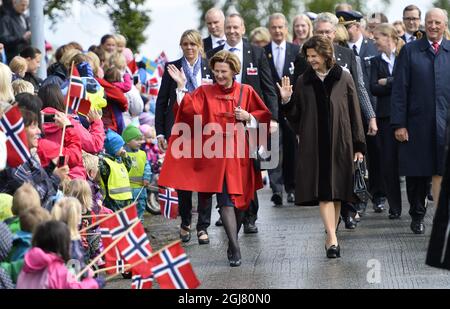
<point x="359" y="184"/>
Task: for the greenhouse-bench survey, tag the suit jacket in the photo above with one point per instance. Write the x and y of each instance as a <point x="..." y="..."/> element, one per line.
<point x="288" y="70"/>
<point x="379" y="70"/>
<point x="207" y="44"/>
<point x="367" y="52"/>
<point x="167" y="97"/>
<point x="262" y="83"/>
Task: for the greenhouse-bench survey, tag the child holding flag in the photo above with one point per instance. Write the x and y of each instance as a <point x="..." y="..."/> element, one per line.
<point x="140" y="172"/>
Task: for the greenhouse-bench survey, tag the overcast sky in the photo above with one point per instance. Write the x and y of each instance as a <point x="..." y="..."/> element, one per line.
<point x="86" y="24"/>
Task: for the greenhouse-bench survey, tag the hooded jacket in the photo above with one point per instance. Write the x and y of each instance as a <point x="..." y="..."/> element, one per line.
<point x="43" y="270"/>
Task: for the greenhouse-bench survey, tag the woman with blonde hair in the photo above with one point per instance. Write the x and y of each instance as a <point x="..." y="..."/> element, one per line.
<point x="6" y="90"/>
<point x="383" y="69"/>
<point x="197" y="73"/>
<point x="302" y="29"/>
<point x="260" y="37"/>
<point x="325" y="113"/>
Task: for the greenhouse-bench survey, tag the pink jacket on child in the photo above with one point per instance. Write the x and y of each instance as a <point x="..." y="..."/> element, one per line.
<point x="43" y="270"/>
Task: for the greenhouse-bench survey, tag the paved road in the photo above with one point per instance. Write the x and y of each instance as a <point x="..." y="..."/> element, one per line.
<point x="288" y="252"/>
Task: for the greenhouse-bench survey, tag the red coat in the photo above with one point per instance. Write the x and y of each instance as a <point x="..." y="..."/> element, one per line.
<point x="215" y="105"/>
<point x="113" y="96"/>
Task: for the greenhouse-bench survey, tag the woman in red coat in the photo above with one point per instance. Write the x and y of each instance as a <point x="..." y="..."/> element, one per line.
<point x="207" y="155"/>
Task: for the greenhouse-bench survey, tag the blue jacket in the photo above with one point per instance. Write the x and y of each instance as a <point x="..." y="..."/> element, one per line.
<point x="420" y="101"/>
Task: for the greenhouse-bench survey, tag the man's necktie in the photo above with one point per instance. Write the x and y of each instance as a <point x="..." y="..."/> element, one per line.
<point x="355" y="50"/>
<point x="278" y="64"/>
<point x="233" y="49"/>
<point x="435" y="46"/>
<point x="221" y="42"/>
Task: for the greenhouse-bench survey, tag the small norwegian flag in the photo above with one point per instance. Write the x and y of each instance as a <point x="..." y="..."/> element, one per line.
<point x="135" y="246"/>
<point x="154" y="86"/>
<point x="142" y="276"/>
<point x="78" y="101"/>
<point x="168" y="202"/>
<point x="173" y="270"/>
<point x="16" y="144"/>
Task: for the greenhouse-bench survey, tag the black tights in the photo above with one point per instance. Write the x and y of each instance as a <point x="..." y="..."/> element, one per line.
<point x="232" y="221"/>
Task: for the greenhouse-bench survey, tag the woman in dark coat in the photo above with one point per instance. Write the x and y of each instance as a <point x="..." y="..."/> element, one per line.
<point x="325" y="112"/>
<point x="381" y="80"/>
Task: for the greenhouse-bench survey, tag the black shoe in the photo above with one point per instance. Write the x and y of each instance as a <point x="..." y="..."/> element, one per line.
<point x="250" y="228"/>
<point x="394" y="216"/>
<point x="202" y="241"/>
<point x="277" y="199"/>
<point x="186" y="237"/>
<point x="430" y="197"/>
<point x="219" y="222"/>
<point x="418" y="227"/>
<point x="291" y="198"/>
<point x="333" y="252"/>
<point x="378" y="207"/>
<point x="362" y="209"/>
<point x="350" y="223"/>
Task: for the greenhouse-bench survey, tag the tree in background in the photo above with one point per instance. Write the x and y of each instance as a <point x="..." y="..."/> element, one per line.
<point x="128" y="16"/>
<point x="443" y="4"/>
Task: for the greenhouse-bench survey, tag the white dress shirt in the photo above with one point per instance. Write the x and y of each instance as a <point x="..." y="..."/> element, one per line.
<point x="389" y="60"/>
<point x="357" y="43"/>
<point x="240" y="53"/>
<point x="279" y="57"/>
<point x="409" y="37"/>
<point x="215" y="41"/>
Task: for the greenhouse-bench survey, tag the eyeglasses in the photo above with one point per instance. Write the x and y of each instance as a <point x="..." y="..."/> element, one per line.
<point x="411" y="18"/>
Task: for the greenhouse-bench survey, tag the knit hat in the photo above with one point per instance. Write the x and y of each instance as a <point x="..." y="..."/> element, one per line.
<point x="5" y="206"/>
<point x="113" y="142"/>
<point x="147" y="118"/>
<point x="130" y="133"/>
<point x="6" y="239"/>
<point x="147" y="131"/>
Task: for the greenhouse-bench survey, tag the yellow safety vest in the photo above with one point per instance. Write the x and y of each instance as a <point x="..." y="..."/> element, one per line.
<point x="136" y="173"/>
<point x="118" y="182"/>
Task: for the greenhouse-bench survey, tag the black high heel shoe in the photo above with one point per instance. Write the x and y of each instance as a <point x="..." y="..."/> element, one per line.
<point x="333" y="252"/>
<point x="234" y="261"/>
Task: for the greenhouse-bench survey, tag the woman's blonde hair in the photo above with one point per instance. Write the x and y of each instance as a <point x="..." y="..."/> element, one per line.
<point x="95" y="61"/>
<point x="117" y="60"/>
<point x="225" y="56"/>
<point x="68" y="210"/>
<point x="389" y="30"/>
<point x="341" y="36"/>
<point x="22" y="86"/>
<point x="6" y="91"/>
<point x="18" y="64"/>
<point x="80" y="189"/>
<point x="195" y="37"/>
<point x="308" y="22"/>
<point x="90" y="162"/>
<point x="260" y="34"/>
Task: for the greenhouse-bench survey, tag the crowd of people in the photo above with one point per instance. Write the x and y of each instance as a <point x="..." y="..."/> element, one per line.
<point x="342" y="88"/>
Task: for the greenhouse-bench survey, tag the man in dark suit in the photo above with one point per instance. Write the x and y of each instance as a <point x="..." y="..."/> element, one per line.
<point x="419" y="109"/>
<point x="215" y="21"/>
<point x="325" y="24"/>
<point x="366" y="50"/>
<point x="281" y="55"/>
<point x="255" y="71"/>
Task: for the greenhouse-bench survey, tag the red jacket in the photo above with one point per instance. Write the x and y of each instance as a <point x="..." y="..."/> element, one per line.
<point x="114" y="96"/>
<point x="216" y="106"/>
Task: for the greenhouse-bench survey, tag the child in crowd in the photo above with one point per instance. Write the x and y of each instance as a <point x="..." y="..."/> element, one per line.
<point x="151" y="147"/>
<point x="44" y="266"/>
<point x="19" y="67"/>
<point x="121" y="43"/>
<point x="68" y="210"/>
<point x="140" y="172"/>
<point x="114" y="165"/>
<point x="22" y="86"/>
<point x="24" y="198"/>
<point x="81" y="190"/>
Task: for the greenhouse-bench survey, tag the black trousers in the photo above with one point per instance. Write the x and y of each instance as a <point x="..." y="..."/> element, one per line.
<point x="252" y="212"/>
<point x="284" y="173"/>
<point x="389" y="157"/>
<point x="417" y="190"/>
<point x="185" y="209"/>
<point x="376" y="182"/>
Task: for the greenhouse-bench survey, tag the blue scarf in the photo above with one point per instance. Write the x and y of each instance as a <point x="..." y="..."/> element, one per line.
<point x="191" y="79"/>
